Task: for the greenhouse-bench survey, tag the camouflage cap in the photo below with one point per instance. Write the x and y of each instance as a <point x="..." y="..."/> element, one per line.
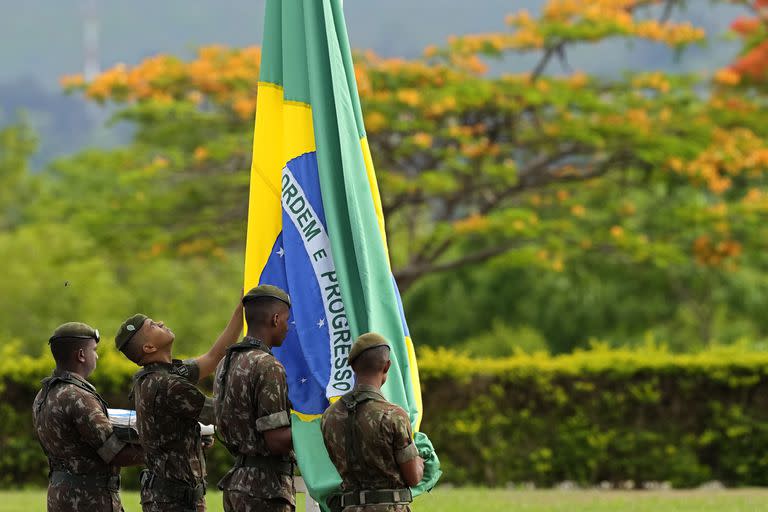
<point x="267" y="290"/>
<point x="74" y="331"/>
<point x="130" y="327"/>
<point x="364" y="342"/>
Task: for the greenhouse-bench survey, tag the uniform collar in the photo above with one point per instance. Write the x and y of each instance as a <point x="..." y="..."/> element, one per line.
<point x="159" y="365"/>
<point x="250" y="341"/>
<point x="368" y="388"/>
<point x="65" y="374"/>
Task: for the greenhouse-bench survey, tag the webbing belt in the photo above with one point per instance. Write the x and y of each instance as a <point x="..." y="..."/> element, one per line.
<point x="92" y="482"/>
<point x="185" y="493"/>
<point x="249" y="343"/>
<point x="377" y="497"/>
<point x="264" y="462"/>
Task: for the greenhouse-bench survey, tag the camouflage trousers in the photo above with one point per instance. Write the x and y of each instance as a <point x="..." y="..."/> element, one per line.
<point x="68" y="498"/>
<point x="235" y="501"/>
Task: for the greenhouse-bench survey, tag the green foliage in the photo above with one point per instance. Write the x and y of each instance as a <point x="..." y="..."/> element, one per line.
<point x="503" y="341"/>
<point x="17" y="144"/>
<point x="686" y="307"/>
<point x="52" y="274"/>
<point x="602" y="415"/>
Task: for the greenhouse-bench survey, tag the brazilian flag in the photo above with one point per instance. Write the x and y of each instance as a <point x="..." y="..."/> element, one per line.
<point x="316" y="228"/>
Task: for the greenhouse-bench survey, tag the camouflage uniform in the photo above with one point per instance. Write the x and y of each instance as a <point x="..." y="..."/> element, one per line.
<point x="71" y="422"/>
<point x="368" y="459"/>
<point x="250" y="397"/>
<point x="168" y="408"/>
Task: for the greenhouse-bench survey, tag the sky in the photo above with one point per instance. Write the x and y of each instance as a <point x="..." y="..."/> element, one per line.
<point x="43" y="38"/>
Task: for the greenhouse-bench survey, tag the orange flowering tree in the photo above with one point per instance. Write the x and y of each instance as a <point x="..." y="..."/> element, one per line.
<point x="542" y="169"/>
<point x="750" y="67"/>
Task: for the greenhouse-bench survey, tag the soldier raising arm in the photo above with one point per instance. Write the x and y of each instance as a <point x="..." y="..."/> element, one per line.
<point x="253" y="410"/>
<point x="71" y="422"/>
<point x="369" y="440"/>
<point x="168" y="409"/>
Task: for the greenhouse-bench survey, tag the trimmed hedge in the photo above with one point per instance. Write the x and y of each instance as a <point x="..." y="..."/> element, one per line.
<point x="589" y="417"/>
<point x="603" y="415"/>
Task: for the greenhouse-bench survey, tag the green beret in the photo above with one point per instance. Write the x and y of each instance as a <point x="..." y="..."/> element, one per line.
<point x="130" y="327"/>
<point x="74" y="331"/>
<point x="365" y="342"/>
<point x="267" y="290"/>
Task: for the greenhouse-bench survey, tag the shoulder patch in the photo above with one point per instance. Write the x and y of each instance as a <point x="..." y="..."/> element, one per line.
<point x="180" y="370"/>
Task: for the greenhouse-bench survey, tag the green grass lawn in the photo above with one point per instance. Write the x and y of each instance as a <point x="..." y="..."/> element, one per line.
<point x="461" y="500"/>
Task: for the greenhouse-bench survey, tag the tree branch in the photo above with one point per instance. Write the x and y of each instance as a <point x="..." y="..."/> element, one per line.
<point x="408" y="275"/>
<point x="426" y="260"/>
<point x="556" y="49"/>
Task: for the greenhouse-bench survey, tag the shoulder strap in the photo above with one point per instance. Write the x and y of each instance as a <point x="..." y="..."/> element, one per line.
<point x="50" y="382"/>
<point x="352" y="402"/>
<point x="136" y="378"/>
<point x="243" y="346"/>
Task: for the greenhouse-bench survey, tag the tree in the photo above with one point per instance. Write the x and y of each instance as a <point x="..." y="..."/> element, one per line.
<point x="651" y="174"/>
<point x="467" y="162"/>
<point x="751" y="66"/>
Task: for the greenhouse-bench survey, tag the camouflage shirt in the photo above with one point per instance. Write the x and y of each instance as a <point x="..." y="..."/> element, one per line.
<point x="73" y="428"/>
<point x="168" y="408"/>
<point x="382" y="439"/>
<point x="251" y="397"/>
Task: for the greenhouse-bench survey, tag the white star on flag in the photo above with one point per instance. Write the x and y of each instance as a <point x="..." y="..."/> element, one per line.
<point x="303" y="380"/>
<point x="280" y="252"/>
<point x="321" y="323"/>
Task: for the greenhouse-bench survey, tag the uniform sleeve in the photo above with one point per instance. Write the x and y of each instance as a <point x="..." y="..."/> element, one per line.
<point x="184" y="398"/>
<point x="398" y="426"/>
<point x="35" y="404"/>
<point x="94" y="427"/>
<point x="188" y="369"/>
<point x="271" y="398"/>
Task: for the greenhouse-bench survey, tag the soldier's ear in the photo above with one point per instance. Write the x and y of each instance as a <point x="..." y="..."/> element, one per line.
<point x="148" y="348"/>
<point x="80" y="355"/>
<point x="386" y="366"/>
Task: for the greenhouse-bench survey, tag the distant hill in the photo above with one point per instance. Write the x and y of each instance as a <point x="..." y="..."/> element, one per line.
<point x="40" y="40"/>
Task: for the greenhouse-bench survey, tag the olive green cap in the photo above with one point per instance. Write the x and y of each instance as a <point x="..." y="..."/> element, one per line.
<point x="130" y="327"/>
<point x="71" y="331"/>
<point x="364" y="342"/>
<point x="267" y="290"/>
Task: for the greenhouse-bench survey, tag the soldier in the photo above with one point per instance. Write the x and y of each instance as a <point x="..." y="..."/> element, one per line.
<point x="369" y="440"/>
<point x="168" y="409"/>
<point x="253" y="411"/>
<point x="72" y="425"/>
